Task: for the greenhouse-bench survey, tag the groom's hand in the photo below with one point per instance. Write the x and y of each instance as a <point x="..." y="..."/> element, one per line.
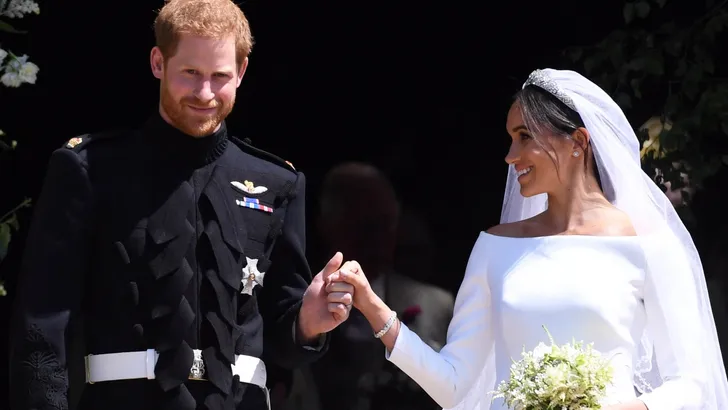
<point x="353" y="275"/>
<point x="322" y="310"/>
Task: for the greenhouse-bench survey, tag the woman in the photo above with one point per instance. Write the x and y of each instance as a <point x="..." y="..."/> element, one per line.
<point x="590" y="248"/>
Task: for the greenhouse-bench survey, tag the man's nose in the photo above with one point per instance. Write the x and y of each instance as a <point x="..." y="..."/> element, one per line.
<point x="204" y="91"/>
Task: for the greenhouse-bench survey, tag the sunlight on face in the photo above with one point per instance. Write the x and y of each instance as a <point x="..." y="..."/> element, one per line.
<point x="534" y="162"/>
<point x="199" y="83"/>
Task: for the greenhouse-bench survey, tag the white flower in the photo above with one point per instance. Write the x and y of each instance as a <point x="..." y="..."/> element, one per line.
<point x="19" y="70"/>
<point x="3" y="54"/>
<point x="540" y="351"/>
<point x="15" y="63"/>
<point x="18" y="8"/>
<point x="11" y="79"/>
<point x="28" y="72"/>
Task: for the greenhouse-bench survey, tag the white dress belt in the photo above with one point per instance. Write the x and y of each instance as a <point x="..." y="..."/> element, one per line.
<point x="140" y="365"/>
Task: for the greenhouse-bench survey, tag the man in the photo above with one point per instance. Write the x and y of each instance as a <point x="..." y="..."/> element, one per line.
<point x="360" y="214"/>
<point x="179" y="249"/>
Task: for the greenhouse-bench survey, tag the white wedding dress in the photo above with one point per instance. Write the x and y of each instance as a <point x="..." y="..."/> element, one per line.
<point x="589" y="288"/>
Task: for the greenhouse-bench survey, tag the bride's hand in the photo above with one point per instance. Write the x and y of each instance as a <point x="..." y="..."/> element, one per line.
<point x="377" y="313"/>
<point x="352" y="273"/>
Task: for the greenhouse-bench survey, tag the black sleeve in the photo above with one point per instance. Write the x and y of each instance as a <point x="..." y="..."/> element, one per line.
<point x="286" y="281"/>
<point x="50" y="285"/>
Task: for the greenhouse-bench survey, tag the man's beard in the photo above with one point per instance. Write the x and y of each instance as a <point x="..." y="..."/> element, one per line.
<point x="194" y="125"/>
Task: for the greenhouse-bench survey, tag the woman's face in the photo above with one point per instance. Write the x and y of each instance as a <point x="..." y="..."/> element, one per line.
<point x="536" y="164"/>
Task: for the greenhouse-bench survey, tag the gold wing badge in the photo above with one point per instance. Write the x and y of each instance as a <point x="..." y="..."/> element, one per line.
<point x="73" y="142"/>
<point x="249" y="187"/>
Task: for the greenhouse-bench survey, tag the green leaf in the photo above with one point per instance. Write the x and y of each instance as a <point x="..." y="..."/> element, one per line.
<point x="655" y="65"/>
<point x="693" y="77"/>
<point x="708" y="65"/>
<point x="624" y="100"/>
<point x="616" y="37"/>
<point x="10" y="29"/>
<point x="590" y="64"/>
<point x="637" y="64"/>
<point x="667" y="28"/>
<point x="715" y="25"/>
<point x="681" y="69"/>
<point x="650" y="40"/>
<point x="628" y="12"/>
<point x="4" y="239"/>
<point x="635" y="84"/>
<point x="13" y="222"/>
<point x="642" y="8"/>
<point x="575" y="54"/>
<point x="673" y="47"/>
<point x="672" y="104"/>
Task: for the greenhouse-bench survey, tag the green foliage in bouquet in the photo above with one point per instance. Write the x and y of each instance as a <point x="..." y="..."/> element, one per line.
<point x="572" y="376"/>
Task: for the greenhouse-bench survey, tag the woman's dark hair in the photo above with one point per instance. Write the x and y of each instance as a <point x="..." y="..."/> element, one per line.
<point x="544" y="114"/>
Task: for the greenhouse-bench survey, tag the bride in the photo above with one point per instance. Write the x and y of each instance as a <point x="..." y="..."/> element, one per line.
<point x="591" y="248"/>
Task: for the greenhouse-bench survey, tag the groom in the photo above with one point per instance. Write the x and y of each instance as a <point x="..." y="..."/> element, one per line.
<point x="178" y="248"/>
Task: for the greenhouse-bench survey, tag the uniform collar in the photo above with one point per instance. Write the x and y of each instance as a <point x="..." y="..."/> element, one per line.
<point x="172" y="144"/>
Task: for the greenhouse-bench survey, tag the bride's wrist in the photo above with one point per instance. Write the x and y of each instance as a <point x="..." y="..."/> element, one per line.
<point x="371" y="305"/>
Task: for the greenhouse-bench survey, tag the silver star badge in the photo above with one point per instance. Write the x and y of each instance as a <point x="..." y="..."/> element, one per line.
<point x="251" y="276"/>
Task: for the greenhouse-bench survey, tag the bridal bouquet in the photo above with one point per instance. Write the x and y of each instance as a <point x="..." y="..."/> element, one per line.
<point x="568" y="377"/>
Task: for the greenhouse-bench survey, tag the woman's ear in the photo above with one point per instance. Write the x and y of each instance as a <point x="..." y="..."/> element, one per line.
<point x="581" y="138"/>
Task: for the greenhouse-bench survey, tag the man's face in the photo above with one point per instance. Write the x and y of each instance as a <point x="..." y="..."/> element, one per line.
<point x="199" y="83"/>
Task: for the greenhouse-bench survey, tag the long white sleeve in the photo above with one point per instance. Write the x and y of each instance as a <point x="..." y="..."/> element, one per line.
<point x="447" y="376"/>
<point x="673" y="321"/>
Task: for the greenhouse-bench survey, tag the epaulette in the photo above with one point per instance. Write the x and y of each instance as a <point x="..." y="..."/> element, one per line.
<point x="80" y="142"/>
<point x="246" y="145"/>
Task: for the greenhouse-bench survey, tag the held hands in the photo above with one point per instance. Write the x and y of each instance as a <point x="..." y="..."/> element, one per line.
<point x="377" y="313"/>
<point x="328" y="300"/>
<point x="353" y="275"/>
<point x="324" y="307"/>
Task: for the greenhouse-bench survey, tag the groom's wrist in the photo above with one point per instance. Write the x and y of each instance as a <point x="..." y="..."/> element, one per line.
<point x="304" y="334"/>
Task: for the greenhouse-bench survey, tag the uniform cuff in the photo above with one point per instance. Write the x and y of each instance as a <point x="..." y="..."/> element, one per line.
<point x="316" y="346"/>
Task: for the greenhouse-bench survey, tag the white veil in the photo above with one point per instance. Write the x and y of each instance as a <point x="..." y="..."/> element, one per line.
<point x="628" y="187"/>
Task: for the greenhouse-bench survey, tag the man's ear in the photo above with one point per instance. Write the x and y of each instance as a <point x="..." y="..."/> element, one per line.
<point x="241" y="71"/>
<point x="156" y="60"/>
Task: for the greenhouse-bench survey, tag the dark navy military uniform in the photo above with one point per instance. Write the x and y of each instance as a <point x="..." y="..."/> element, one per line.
<point x="146" y="241"/>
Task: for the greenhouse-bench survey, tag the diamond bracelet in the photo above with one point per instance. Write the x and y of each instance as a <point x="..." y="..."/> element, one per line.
<point x="387" y="326"/>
